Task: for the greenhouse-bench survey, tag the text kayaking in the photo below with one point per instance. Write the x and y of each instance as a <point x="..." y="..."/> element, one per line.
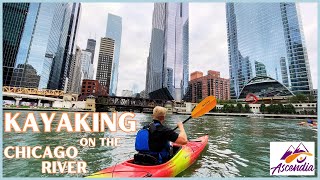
<point x="81" y="122"/>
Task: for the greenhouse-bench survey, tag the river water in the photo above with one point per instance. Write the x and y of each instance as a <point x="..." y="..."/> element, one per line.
<point x="238" y="146"/>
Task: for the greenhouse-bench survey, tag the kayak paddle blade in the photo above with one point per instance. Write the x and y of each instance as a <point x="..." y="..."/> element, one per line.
<point x="204" y="106"/>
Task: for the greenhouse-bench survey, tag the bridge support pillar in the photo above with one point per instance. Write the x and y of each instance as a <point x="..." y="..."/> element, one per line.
<point x="18" y="99"/>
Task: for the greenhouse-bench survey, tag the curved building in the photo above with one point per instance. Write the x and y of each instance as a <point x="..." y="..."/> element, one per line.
<point x="264" y="86"/>
<point x="269" y="38"/>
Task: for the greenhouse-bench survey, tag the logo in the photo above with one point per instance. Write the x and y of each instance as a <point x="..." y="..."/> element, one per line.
<point x="292" y="158"/>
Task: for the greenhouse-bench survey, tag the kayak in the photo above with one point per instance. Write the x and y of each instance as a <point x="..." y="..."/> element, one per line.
<point x="185" y="156"/>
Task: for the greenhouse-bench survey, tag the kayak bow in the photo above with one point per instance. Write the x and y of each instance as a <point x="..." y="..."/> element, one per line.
<point x="184" y="158"/>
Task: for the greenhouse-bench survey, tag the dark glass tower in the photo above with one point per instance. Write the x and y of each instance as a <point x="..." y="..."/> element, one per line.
<point x="168" y="63"/>
<point x="264" y="33"/>
<point x="14" y="17"/>
<point x="47" y="41"/>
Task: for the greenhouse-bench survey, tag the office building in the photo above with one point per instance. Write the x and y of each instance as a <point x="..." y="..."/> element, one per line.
<point x="105" y="62"/>
<point x="74" y="80"/>
<point x="41" y="60"/>
<point x="127" y="93"/>
<point x="202" y="86"/>
<point x="91" y="47"/>
<point x="266" y="33"/>
<point x="70" y="48"/>
<point x="168" y="64"/>
<point x="260" y="69"/>
<point x="114" y="31"/>
<point x="92" y="88"/>
<point x="14" y="17"/>
<point x="85" y="64"/>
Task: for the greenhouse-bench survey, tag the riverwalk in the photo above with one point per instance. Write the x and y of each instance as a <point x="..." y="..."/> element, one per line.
<point x="294" y="116"/>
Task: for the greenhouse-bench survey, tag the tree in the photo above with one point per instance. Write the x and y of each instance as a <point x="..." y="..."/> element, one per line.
<point x="239" y="108"/>
<point x="280" y="108"/>
<point x="263" y="108"/>
<point x="247" y="108"/>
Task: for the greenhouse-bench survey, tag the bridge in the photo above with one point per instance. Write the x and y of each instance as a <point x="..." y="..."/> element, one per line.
<point x="104" y="103"/>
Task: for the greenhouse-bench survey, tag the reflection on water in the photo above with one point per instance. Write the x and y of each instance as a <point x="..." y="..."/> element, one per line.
<point x="237" y="146"/>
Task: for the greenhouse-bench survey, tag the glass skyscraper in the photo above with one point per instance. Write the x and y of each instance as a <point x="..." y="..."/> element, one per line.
<point x="114" y="31"/>
<point x="168" y="63"/>
<point x="41" y="59"/>
<point x="14" y="17"/>
<point x="269" y="36"/>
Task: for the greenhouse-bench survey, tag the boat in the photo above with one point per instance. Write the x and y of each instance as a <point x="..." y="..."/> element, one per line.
<point x="184" y="157"/>
<point x="255" y="115"/>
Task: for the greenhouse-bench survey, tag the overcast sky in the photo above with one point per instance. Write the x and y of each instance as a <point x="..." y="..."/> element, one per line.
<point x="208" y="37"/>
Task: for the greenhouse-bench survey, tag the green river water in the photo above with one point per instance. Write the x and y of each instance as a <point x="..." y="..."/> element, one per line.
<point x="238" y="146"/>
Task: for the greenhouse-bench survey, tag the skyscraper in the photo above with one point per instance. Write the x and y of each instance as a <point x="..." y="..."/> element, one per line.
<point x="91" y="46"/>
<point x="85" y="64"/>
<point x="284" y="71"/>
<point x="74" y="81"/>
<point x="105" y="62"/>
<point x="266" y="32"/>
<point x="14" y="17"/>
<point x="41" y="59"/>
<point x="167" y="66"/>
<point x="114" y="31"/>
<point x="70" y="48"/>
<point x="260" y="69"/>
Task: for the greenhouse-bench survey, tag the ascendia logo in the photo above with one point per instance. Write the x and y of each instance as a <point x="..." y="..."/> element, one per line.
<point x="292" y="158"/>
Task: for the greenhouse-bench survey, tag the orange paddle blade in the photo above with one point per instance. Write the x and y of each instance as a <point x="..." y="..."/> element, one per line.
<point x="204" y="106"/>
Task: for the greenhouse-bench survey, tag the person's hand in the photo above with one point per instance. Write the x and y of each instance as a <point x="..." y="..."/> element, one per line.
<point x="180" y="124"/>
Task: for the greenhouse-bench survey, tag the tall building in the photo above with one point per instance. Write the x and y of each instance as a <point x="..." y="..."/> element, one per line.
<point x="70" y="48"/>
<point x="284" y="71"/>
<point x="85" y="64"/>
<point x="260" y="69"/>
<point x="127" y="93"/>
<point x="41" y="59"/>
<point x="114" y="31"/>
<point x="91" y="47"/>
<point x="14" y="18"/>
<point x="168" y="63"/>
<point x="202" y="86"/>
<point x="74" y="80"/>
<point x="267" y="32"/>
<point x="105" y="62"/>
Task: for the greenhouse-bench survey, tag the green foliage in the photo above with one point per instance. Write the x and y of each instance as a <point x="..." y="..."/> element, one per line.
<point x="247" y="108"/>
<point x="263" y="108"/>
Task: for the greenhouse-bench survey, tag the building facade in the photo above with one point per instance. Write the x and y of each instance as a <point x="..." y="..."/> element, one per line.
<point x="127" y="93"/>
<point x="114" y="31"/>
<point x="74" y="80"/>
<point x="105" y="62"/>
<point x="41" y="59"/>
<point x="168" y="63"/>
<point x="70" y="48"/>
<point x="85" y="64"/>
<point x="202" y="86"/>
<point x="91" y="47"/>
<point x="266" y="33"/>
<point x="92" y="88"/>
<point x="14" y="18"/>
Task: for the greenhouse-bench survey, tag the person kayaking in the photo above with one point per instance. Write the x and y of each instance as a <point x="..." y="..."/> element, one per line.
<point x="153" y="141"/>
<point x="309" y="122"/>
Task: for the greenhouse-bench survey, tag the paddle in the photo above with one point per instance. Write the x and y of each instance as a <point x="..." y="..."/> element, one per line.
<point x="203" y="107"/>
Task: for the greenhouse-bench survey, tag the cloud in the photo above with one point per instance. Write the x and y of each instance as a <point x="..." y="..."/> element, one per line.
<point x="308" y="12"/>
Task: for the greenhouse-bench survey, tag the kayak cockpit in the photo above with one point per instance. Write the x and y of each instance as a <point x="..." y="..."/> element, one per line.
<point x="149" y="160"/>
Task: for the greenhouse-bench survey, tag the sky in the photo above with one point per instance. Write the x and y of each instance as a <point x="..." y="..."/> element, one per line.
<point x="207" y="39"/>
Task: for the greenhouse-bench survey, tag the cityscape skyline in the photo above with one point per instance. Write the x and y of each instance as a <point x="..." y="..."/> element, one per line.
<point x="133" y="62"/>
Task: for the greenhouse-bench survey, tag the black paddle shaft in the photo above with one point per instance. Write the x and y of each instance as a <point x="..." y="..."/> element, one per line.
<point x="183" y="122"/>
